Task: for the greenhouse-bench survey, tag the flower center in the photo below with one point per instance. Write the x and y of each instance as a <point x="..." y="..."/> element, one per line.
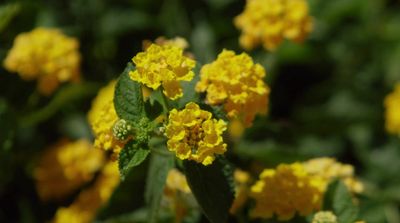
<point x="193" y="136"/>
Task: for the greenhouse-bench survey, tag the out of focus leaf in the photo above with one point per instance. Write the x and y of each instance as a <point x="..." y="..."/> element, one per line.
<point x="212" y="186"/>
<point x="7" y="126"/>
<point x="339" y="200"/>
<point x="7" y="13"/>
<point x="160" y="164"/>
<point x="133" y="154"/>
<point x="202" y="41"/>
<point x="128" y="97"/>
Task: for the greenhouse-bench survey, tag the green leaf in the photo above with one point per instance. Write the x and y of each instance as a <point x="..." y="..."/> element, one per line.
<point x="128" y="98"/>
<point x="153" y="109"/>
<point x="340" y="201"/>
<point x="130" y="156"/>
<point x="213" y="188"/>
<point x="160" y="164"/>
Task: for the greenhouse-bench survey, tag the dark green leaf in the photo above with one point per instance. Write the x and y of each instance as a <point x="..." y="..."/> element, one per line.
<point x="212" y="187"/>
<point x="128" y="98"/>
<point x="160" y="164"/>
<point x="130" y="156"/>
<point x="153" y="110"/>
<point x="7" y="126"/>
<point x="340" y="201"/>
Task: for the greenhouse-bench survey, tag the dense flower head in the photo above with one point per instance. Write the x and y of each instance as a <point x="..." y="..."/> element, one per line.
<point x="269" y="22"/>
<point x="237" y="82"/>
<point x="102" y="118"/>
<point x="163" y="66"/>
<point x="193" y="134"/>
<point x="329" y="169"/>
<point x="88" y="202"/>
<point x="286" y="190"/>
<point x="324" y="217"/>
<point x="46" y="55"/>
<point x="392" y="105"/>
<point x="65" y="167"/>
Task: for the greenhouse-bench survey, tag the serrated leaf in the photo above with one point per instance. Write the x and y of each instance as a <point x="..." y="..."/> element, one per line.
<point x="340" y="201"/>
<point x="212" y="187"/>
<point x="128" y="97"/>
<point x="160" y="164"/>
<point x="130" y="156"/>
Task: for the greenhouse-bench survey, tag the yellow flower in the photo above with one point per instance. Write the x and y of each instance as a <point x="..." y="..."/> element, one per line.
<point x="176" y="181"/>
<point x="194" y="135"/>
<point x="65" y="167"/>
<point x="236" y="82"/>
<point x="324" y="217"/>
<point x="392" y="105"/>
<point x="268" y="22"/>
<point x="85" y="207"/>
<point x="242" y="180"/>
<point x="163" y="66"/>
<point x="284" y="191"/>
<point x="46" y="55"/>
<point x="177" y="41"/>
<point x="329" y="169"/>
<point x="102" y="117"/>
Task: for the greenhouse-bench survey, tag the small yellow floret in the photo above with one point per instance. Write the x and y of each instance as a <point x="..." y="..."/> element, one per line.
<point x="324" y="217"/>
<point x="392" y="105"/>
<point x="269" y="22"/>
<point x="46" y="55"/>
<point x="237" y="82"/>
<point x="102" y="117"/>
<point x="194" y="135"/>
<point x="163" y="66"/>
<point x="284" y="191"/>
<point x="65" y="167"/>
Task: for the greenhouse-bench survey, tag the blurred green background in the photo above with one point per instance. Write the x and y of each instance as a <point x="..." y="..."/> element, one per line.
<point x="326" y="94"/>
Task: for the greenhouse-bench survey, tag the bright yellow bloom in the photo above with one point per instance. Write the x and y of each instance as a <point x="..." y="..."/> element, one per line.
<point x="236" y="82"/>
<point x="269" y="22"/>
<point x="392" y="105"/>
<point x="329" y="169"/>
<point x="47" y="55"/>
<point x="85" y="207"/>
<point x="163" y="66"/>
<point x="102" y="117"/>
<point x="286" y="190"/>
<point x="65" y="167"/>
<point x="324" y="217"/>
<point x="194" y="135"/>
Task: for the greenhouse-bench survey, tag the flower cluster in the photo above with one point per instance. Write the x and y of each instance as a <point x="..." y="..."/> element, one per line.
<point x="163" y="66"/>
<point x="65" y="167"/>
<point x="286" y="190"/>
<point x="194" y="135"/>
<point x="46" y="55"/>
<point x="268" y="22"/>
<point x="236" y="82"/>
<point x="102" y="117"/>
<point x="85" y="207"/>
<point x="324" y="217"/>
<point x="329" y="169"/>
<point x="392" y="104"/>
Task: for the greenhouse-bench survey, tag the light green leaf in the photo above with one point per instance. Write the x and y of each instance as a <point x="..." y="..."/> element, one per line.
<point x="130" y="156"/>
<point x="213" y="188"/>
<point x="340" y="201"/>
<point x="160" y="164"/>
<point x="128" y="98"/>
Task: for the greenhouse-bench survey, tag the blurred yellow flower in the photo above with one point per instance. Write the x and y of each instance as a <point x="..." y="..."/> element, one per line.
<point x="329" y="169"/>
<point x="177" y="41"/>
<point x="324" y="217"/>
<point x="194" y="135"/>
<point x="46" y="55"/>
<point x="65" y="167"/>
<point x="392" y="105"/>
<point x="163" y="66"/>
<point x="176" y="181"/>
<point x="102" y="117"/>
<point x="269" y="22"/>
<point x="236" y="82"/>
<point x="286" y="190"/>
<point x="85" y="207"/>
<point x="242" y="189"/>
